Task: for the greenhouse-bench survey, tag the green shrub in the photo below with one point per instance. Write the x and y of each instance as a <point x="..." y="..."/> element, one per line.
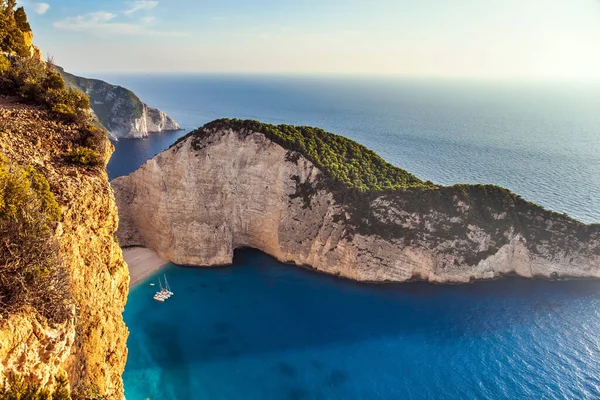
<point x="31" y="269"/>
<point x="13" y="24"/>
<point x="18" y="388"/>
<point x="55" y="96"/>
<point x="78" y="99"/>
<point x="85" y="156"/>
<point x="61" y="389"/>
<point x="53" y="81"/>
<point x="69" y="105"/>
<point x="65" y="112"/>
<point x="30" y="78"/>
<point x="95" y="138"/>
<point x="39" y="184"/>
<point x="21" y="20"/>
<point x="4" y="65"/>
<point x="31" y="90"/>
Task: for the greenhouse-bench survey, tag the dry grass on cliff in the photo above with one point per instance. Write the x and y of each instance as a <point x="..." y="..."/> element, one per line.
<point x="31" y="272"/>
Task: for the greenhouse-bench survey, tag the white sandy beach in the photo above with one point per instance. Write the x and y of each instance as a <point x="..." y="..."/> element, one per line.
<point x="141" y="262"/>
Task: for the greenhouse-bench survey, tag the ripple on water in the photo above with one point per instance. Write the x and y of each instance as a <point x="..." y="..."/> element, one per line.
<point x="289" y="333"/>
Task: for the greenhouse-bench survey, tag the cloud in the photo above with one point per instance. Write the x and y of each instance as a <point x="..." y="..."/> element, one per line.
<point x="141" y="5"/>
<point x="104" y="22"/>
<point x="38" y="7"/>
<point x="85" y="22"/>
<point x="41" y="8"/>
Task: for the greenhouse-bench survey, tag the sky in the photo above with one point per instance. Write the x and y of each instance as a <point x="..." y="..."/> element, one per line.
<point x="530" y="39"/>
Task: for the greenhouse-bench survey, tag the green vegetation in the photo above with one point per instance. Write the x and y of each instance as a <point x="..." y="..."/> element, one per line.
<point x="21" y="20"/>
<point x="19" y="388"/>
<point x="113" y="104"/>
<point x="4" y="64"/>
<point x="40" y="83"/>
<point x="371" y="191"/>
<point x="85" y="156"/>
<point x="339" y="158"/>
<point x="30" y="78"/>
<point x="13" y="27"/>
<point x="31" y="272"/>
<point x="94" y="138"/>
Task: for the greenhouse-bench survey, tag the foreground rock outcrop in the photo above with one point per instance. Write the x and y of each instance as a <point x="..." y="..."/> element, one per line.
<point x="229" y="186"/>
<point x="119" y="110"/>
<point x="89" y="346"/>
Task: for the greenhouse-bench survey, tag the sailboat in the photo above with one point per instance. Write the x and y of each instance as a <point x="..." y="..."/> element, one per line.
<point x="164" y="291"/>
<point x="167" y="288"/>
<point x="163" y="294"/>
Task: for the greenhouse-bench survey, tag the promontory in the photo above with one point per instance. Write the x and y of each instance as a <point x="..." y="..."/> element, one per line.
<point x="119" y="110"/>
<point x="316" y="199"/>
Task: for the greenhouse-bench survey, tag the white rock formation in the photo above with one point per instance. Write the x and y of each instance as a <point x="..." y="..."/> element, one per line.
<point x="151" y="121"/>
<point x="220" y="190"/>
<point x="119" y="110"/>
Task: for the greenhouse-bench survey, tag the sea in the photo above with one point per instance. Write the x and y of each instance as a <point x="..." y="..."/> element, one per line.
<point x="263" y="330"/>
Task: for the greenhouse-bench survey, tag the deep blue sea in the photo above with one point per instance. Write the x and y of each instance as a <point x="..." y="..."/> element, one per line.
<point x="263" y="330"/>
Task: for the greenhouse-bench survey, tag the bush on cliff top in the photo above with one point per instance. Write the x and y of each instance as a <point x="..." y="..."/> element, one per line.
<point x="85" y="156"/>
<point x="38" y="83"/>
<point x="337" y="157"/>
<point x="34" y="80"/>
<point x="13" y="26"/>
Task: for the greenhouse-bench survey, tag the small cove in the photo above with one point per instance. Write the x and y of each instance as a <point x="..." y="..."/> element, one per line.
<point x="260" y="329"/>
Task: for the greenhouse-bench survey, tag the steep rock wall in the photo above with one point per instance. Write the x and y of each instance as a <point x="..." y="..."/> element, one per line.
<point x="90" y="346"/>
<point x="119" y="110"/>
<point x="222" y="189"/>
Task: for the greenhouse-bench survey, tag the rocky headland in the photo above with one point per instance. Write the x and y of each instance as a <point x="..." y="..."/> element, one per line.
<point x="63" y="280"/>
<point x="119" y="110"/>
<point x="81" y="335"/>
<point x="315" y="199"/>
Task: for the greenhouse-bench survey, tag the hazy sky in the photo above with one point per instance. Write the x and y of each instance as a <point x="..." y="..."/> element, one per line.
<point x="476" y="38"/>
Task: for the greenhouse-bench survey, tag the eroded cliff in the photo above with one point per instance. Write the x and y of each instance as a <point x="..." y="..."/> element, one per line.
<point x="119" y="110"/>
<point x="88" y="344"/>
<point x="228" y="186"/>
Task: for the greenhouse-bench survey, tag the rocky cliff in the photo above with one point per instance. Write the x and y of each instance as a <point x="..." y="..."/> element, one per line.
<point x="119" y="110"/>
<point x="235" y="184"/>
<point x="87" y="343"/>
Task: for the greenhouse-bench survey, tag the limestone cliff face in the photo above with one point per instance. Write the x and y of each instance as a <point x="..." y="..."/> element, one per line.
<point x="119" y="110"/>
<point x="223" y="189"/>
<point x="90" y="346"/>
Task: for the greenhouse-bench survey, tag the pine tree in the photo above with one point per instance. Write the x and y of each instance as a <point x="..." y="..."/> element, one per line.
<point x="21" y="20"/>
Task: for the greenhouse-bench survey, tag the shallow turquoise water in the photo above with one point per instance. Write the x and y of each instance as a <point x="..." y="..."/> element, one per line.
<point x="263" y="330"/>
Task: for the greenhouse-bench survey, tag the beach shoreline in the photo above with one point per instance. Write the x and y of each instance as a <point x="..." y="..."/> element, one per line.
<point x="141" y="263"/>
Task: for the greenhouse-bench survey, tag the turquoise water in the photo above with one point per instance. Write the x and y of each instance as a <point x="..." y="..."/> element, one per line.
<point x="262" y="330"/>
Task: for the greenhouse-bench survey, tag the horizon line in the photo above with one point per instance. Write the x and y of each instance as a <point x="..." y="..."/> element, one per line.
<point x="309" y="74"/>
